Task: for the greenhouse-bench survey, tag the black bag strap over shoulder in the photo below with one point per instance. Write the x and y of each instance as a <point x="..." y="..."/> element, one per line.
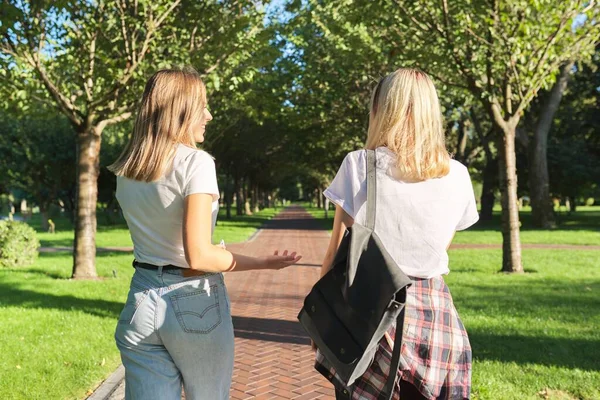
<point x="388" y="390"/>
<point x="371" y="189"/>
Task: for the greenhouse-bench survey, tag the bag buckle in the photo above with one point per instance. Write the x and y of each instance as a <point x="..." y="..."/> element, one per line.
<point x="394" y="305"/>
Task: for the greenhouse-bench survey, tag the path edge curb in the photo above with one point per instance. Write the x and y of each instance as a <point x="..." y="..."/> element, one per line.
<point x="110" y="384"/>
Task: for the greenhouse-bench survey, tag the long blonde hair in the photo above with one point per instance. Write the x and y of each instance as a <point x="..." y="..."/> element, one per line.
<point x="406" y="117"/>
<point x="173" y="102"/>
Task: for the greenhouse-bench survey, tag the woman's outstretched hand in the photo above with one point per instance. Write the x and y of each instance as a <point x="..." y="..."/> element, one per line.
<point x="277" y="261"/>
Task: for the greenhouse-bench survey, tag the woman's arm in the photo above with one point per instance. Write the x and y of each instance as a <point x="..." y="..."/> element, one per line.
<point x="202" y="255"/>
<point x="341" y="222"/>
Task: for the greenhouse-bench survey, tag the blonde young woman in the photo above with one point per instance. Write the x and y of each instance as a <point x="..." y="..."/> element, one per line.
<point x="176" y="328"/>
<point x="423" y="197"/>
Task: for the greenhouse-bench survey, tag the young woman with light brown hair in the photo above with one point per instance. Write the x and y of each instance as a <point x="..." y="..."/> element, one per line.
<point x="176" y="328"/>
<point x="423" y="198"/>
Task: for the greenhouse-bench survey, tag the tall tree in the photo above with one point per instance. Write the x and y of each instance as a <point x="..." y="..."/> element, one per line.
<point x="504" y="52"/>
<point x="574" y="146"/>
<point x="89" y="59"/>
<point x="36" y="156"/>
<point x="542" y="212"/>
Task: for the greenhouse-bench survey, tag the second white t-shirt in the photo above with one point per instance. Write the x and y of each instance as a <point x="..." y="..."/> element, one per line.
<point x="414" y="220"/>
<point x="154" y="210"/>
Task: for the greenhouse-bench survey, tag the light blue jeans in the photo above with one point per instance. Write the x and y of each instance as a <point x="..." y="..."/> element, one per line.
<point x="176" y="331"/>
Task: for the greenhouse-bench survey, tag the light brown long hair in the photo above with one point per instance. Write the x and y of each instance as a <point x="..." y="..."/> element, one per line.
<point x="173" y="102"/>
<point x="406" y="117"/>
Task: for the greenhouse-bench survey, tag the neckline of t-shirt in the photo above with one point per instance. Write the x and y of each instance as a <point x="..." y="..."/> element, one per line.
<point x="385" y="152"/>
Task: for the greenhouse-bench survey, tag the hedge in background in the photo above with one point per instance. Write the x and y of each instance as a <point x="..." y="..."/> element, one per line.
<point x="18" y="244"/>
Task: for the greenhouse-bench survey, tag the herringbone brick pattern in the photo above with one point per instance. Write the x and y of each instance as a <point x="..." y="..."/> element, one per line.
<point x="273" y="359"/>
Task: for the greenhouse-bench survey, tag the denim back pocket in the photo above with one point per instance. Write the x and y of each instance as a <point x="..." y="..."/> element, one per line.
<point x="197" y="311"/>
<point x="134" y="300"/>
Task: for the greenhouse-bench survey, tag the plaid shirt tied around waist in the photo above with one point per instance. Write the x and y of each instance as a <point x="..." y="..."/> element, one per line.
<point x="436" y="354"/>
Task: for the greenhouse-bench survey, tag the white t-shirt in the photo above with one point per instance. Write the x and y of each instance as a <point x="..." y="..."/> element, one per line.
<point x="415" y="221"/>
<point x="154" y="210"/>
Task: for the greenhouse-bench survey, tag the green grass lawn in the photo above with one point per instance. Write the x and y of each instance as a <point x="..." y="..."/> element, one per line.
<point x="578" y="228"/>
<point x="535" y="331"/>
<point x="56" y="335"/>
<point x="236" y="229"/>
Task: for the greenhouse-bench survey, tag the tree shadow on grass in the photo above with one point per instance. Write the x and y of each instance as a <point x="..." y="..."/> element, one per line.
<point x="54" y="274"/>
<point x="563" y="307"/>
<point x="550" y="299"/>
<point x="99" y="254"/>
<point x="549" y="351"/>
<point x="63" y="271"/>
<point x="17" y="297"/>
<point x="56" y="242"/>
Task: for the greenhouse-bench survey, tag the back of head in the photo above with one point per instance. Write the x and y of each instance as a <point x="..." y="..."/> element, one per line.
<point x="406" y="117"/>
<point x="172" y="103"/>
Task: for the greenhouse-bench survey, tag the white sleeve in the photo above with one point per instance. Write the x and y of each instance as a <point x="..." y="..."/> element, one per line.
<point x="201" y="176"/>
<point x="346" y="185"/>
<point x="470" y="214"/>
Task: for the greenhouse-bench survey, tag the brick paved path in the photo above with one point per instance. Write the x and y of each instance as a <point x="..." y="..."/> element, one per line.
<point x="273" y="359"/>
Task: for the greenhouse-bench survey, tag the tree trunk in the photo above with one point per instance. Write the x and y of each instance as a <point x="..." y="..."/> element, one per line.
<point x="44" y="215"/>
<point x="109" y="211"/>
<point x="247" y="209"/>
<point x="542" y="211"/>
<point x="70" y="206"/>
<point x="461" y="145"/>
<point x="319" y="198"/>
<point x="18" y="207"/>
<point x="255" y="207"/>
<point x="511" y="241"/>
<point x="490" y="183"/>
<point x="228" y="200"/>
<point x="264" y="199"/>
<point x="87" y="171"/>
<point x="43" y="203"/>
<point x="572" y="204"/>
<point x="238" y="196"/>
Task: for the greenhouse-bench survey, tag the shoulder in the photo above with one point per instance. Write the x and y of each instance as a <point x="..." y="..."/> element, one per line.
<point x="353" y="165"/>
<point x="356" y="157"/>
<point x="459" y="173"/>
<point x="187" y="157"/>
<point x="458" y="170"/>
<point x="201" y="156"/>
<point x="457" y="167"/>
<point x="191" y="163"/>
<point x="187" y="153"/>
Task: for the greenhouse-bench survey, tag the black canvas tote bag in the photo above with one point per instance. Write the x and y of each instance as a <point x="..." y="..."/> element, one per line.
<point x="349" y="309"/>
